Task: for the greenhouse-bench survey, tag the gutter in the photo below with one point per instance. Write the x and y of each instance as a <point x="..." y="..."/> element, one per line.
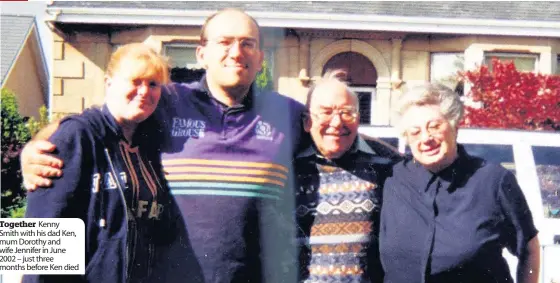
<point x="312" y="20"/>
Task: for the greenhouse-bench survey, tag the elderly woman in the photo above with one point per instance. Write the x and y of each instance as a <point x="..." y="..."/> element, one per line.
<point x="446" y="215"/>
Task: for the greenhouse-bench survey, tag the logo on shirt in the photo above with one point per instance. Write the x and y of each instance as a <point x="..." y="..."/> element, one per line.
<point x="188" y="128"/>
<point x="263" y="130"/>
<point x="148" y="209"/>
<point x="108" y="181"/>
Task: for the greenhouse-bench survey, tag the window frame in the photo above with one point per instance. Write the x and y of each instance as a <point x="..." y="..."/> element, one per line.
<point x="432" y="54"/>
<point x="487" y="57"/>
<point x="373" y="99"/>
<point x="181" y="45"/>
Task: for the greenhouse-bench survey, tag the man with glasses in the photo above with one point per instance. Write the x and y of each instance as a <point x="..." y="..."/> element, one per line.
<point x="228" y="153"/>
<point x="338" y="193"/>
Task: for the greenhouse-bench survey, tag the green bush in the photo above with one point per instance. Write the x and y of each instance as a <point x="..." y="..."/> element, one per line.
<point x="264" y="78"/>
<point x="34" y="126"/>
<point x="16" y="131"/>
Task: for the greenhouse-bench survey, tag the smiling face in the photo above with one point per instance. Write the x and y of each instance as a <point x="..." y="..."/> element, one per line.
<point x="432" y="139"/>
<point x="133" y="97"/>
<point x="231" y="51"/>
<point x="334" y="119"/>
<point x="135" y="75"/>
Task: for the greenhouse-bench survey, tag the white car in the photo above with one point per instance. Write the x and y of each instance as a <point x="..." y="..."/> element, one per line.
<point x="534" y="157"/>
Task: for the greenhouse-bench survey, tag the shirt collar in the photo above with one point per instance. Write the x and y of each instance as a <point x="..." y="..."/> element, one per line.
<point x="358" y="145"/>
<point x="456" y="173"/>
<point x="246" y="103"/>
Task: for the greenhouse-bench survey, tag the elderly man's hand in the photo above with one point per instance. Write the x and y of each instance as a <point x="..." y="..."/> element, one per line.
<point x="38" y="166"/>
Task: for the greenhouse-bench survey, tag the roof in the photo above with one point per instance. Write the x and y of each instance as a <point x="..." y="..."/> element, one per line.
<point x="496" y="10"/>
<point x="14" y="31"/>
<point x="462" y="17"/>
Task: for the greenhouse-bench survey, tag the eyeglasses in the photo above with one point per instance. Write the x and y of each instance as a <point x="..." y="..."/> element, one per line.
<point x="434" y="128"/>
<point x="225" y="43"/>
<point x="325" y="115"/>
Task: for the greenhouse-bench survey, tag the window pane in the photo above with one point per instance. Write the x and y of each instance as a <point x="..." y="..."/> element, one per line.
<point x="522" y="62"/>
<point x="495" y="153"/>
<point x="547" y="160"/>
<point x="558" y="64"/>
<point x="444" y="68"/>
<point x="181" y="56"/>
<point x="365" y="107"/>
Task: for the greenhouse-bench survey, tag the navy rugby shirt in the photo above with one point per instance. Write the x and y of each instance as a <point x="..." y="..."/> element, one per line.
<point x="452" y="226"/>
<point x="229" y="169"/>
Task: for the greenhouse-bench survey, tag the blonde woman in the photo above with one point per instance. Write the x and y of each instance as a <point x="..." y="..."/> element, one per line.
<point x="113" y="179"/>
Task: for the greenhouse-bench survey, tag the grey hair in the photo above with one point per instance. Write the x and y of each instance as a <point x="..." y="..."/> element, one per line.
<point x="437" y="94"/>
<point x="332" y="76"/>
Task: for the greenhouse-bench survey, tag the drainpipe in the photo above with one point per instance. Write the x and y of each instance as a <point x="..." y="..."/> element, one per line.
<point x="396" y="62"/>
<point x="304" y="46"/>
<point x="52" y="16"/>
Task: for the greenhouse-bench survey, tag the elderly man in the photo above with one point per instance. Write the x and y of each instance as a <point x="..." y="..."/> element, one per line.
<point x="338" y="193"/>
<point x="229" y="156"/>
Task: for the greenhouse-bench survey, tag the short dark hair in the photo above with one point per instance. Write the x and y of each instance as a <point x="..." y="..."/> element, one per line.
<point x="204" y="39"/>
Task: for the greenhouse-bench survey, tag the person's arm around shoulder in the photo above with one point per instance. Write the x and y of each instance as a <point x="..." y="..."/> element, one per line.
<point x="73" y="147"/>
<point x="37" y="165"/>
<point x="523" y="240"/>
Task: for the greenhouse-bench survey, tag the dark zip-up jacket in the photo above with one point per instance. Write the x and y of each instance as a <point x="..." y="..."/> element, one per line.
<point x="93" y="187"/>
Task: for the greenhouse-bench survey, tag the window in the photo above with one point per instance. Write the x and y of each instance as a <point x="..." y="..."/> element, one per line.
<point x="182" y="59"/>
<point x="181" y="55"/>
<point x="361" y="75"/>
<point x="494" y="153"/>
<point x="547" y="160"/>
<point x="444" y="69"/>
<point x="558" y="64"/>
<point x="522" y="62"/>
<point x="367" y="99"/>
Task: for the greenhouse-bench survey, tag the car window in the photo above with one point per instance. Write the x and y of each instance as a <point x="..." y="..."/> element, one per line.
<point x="494" y="153"/>
<point x="547" y="160"/>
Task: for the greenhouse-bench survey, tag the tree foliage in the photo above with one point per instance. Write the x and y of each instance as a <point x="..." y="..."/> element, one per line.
<point x="508" y="98"/>
<point x="264" y="77"/>
<point x="16" y="131"/>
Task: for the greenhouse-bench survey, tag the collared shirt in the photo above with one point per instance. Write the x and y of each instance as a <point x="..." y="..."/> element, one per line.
<point x="359" y="145"/>
<point x="452" y="226"/>
<point x="337" y="207"/>
<point x="230" y="170"/>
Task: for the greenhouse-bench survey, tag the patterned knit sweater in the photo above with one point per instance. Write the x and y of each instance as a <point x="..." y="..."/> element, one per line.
<point x="338" y="204"/>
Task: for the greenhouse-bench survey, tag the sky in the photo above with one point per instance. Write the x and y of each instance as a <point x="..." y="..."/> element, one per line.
<point x="36" y="8"/>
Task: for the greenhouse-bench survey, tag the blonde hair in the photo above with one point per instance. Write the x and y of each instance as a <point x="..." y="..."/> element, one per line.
<point x="431" y="94"/>
<point x="146" y="62"/>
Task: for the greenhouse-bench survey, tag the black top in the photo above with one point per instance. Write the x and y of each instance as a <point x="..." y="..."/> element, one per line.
<point x="119" y="191"/>
<point x="337" y="212"/>
<point x="452" y="226"/>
